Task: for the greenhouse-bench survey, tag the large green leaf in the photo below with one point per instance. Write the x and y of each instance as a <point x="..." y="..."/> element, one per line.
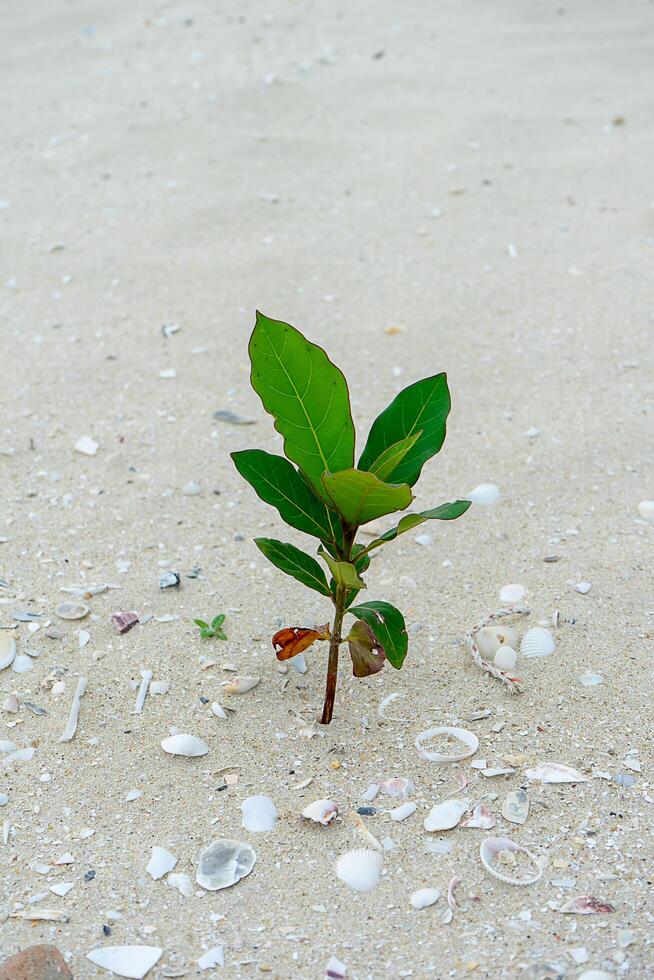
<point x="387" y="623"/>
<point x="391" y="458"/>
<point x="277" y="482"/>
<point x="307" y="396"/>
<point x="361" y="497"/>
<point x="422" y="407"/>
<point x="444" y="512"/>
<point x="294" y="562"/>
<point x="344" y="572"/>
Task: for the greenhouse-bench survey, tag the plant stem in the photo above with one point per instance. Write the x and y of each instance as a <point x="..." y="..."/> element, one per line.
<point x="332" y="663"/>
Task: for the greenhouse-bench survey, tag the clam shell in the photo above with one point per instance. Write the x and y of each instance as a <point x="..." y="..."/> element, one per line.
<point x="320" y="811"/>
<point x="489" y="639"/>
<point x="7" y="650"/>
<point x="72" y="610"/>
<point x="537" y="642"/>
<point x="555" y="772"/>
<point x="183" y="744"/>
<point x="218" y="711"/>
<point x="259" y="814"/>
<point x="360" y="869"/>
<point x="468" y="739"/>
<point x="506" y="658"/>
<point x="126" y="961"/>
<point x="492" y="847"/>
<point x="160" y="863"/>
<point x="239" y="685"/>
<point x="425" y="897"/>
<point x="586" y="905"/>
<point x="515" y="808"/>
<point x="444" y="816"/>
<point x="223" y="863"/>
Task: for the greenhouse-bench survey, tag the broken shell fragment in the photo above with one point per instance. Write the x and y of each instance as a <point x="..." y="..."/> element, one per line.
<point x="468" y="739"/>
<point x="537" y="642"/>
<point x="444" y="816"/>
<point x="223" y="863"/>
<point x="126" y="961"/>
<point x="397" y="787"/>
<point x="160" y="863"/>
<point x="124" y="621"/>
<point x="360" y="869"/>
<point x="481" y="819"/>
<point x="586" y="905"/>
<point x="512" y="594"/>
<point x="72" y="610"/>
<point x="7" y="650"/>
<point x="485" y="495"/>
<point x="159" y="687"/>
<point x="320" y="811"/>
<point x="239" y="685"/>
<point x="183" y="744"/>
<point x="646" y="510"/>
<point x="259" y="814"/>
<point x="402" y="812"/>
<point x="515" y="808"/>
<point x="555" y="772"/>
<point x="424" y="897"/>
<point x="182" y="883"/>
<point x="489" y="639"/>
<point x="503" y="849"/>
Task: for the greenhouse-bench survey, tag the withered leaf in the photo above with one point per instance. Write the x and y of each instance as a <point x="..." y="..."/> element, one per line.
<point x="367" y="654"/>
<point x="294" y="639"/>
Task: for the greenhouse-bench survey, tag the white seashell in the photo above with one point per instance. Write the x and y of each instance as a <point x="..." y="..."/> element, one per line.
<point x="646" y="510"/>
<point x="537" y="642"/>
<point x="57" y="689"/>
<point x="402" y="812"/>
<point x="182" y="883"/>
<point x="213" y="957"/>
<point x="239" y="685"/>
<point x="133" y="794"/>
<point x="495" y="847"/>
<point x="10" y="704"/>
<point x="445" y="815"/>
<point x="21" y="755"/>
<point x="515" y="808"/>
<point x="489" y="639"/>
<point x="384" y="703"/>
<point x="62" y="888"/>
<point x="86" y="445"/>
<point x="397" y="787"/>
<point x="505" y="659"/>
<point x="160" y="863"/>
<point x="320" y="811"/>
<point x="360" y="869"/>
<point x="555" y="772"/>
<point x="183" y="744"/>
<point x="485" y="495"/>
<point x="22" y="663"/>
<point x="126" y="961"/>
<point x="370" y="793"/>
<point x="481" y="818"/>
<point x="84" y="590"/>
<point x="583" y="588"/>
<point x="259" y="814"/>
<point x="512" y="595"/>
<point x="7" y="746"/>
<point x="425" y="897"/>
<point x="71" y="724"/>
<point x="83" y="638"/>
<point x="159" y="687"/>
<point x="65" y="859"/>
<point x="335" y="969"/>
<point x="7" y="650"/>
<point x="218" y="711"/>
<point x="72" y="610"/>
<point x="468" y="739"/>
<point x="223" y="863"/>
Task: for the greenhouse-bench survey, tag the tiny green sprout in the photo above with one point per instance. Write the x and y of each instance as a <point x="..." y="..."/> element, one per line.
<point x="216" y="628"/>
<point x="320" y="491"/>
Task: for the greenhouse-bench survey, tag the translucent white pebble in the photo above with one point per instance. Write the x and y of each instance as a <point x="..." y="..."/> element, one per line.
<point x="7" y="650"/>
<point x="360" y="869"/>
<point x="403" y="811"/>
<point x="87" y="446"/>
<point x="490" y="638"/>
<point x="425" y="897"/>
<point x="223" y="863"/>
<point x="126" y="961"/>
<point x="320" y="811"/>
<point x="62" y="888"/>
<point x="646" y="510"/>
<point x="505" y="659"/>
<point x="182" y="883"/>
<point x="7" y="746"/>
<point x="444" y="816"/>
<point x="160" y="863"/>
<point x="183" y="744"/>
<point x="512" y="594"/>
<point x="537" y="642"/>
<point x="259" y="814"/>
<point x="485" y="495"/>
<point x="583" y="588"/>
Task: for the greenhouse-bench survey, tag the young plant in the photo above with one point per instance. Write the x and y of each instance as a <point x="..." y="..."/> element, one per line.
<point x="216" y="628"/>
<point x="329" y="498"/>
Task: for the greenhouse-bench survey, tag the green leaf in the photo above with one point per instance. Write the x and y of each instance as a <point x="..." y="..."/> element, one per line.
<point x="444" y="512"/>
<point x="294" y="562"/>
<point x="367" y="654"/>
<point x="391" y="458"/>
<point x="307" y="396"/>
<point x="218" y="621"/>
<point x="361" y="497"/>
<point x="387" y="623"/>
<point x="422" y="407"/>
<point x="201" y="622"/>
<point x="344" y="572"/>
<point x="361" y="562"/>
<point x="277" y="482"/>
<point x="208" y="632"/>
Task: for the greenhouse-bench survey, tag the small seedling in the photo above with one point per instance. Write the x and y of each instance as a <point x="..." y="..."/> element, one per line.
<point x="216" y="628"/>
<point x="326" y="496"/>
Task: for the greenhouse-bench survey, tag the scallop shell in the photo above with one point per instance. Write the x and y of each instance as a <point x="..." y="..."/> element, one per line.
<point x="160" y="863"/>
<point x="320" y="811"/>
<point x="397" y="787"/>
<point x="182" y="744"/>
<point x="223" y="863"/>
<point x="555" y="772"/>
<point x="493" y="847"/>
<point x="515" y="808"/>
<point x="360" y="869"/>
<point x="444" y="816"/>
<point x="126" y="961"/>
<point x="7" y="650"/>
<point x="259" y="814"/>
<point x="425" y="897"/>
<point x="489" y="639"/>
<point x="469" y="739"/>
<point x="506" y="658"/>
<point x="72" y="610"/>
<point x="537" y="642"/>
<point x="239" y="685"/>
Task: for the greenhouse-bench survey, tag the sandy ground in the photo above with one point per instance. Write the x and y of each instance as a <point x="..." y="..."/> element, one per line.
<point x="477" y="173"/>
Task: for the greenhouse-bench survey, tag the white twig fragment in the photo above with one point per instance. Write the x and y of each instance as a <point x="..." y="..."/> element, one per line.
<point x="146" y="676"/>
<point x="513" y="684"/>
<point x="71" y="726"/>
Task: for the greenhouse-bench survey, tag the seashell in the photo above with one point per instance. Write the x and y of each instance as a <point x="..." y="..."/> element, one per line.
<point x="397" y="787"/>
<point x="7" y="746"/>
<point x="182" y="744"/>
<point x="160" y="863"/>
<point x="72" y="610"/>
<point x="22" y="663"/>
<point x="485" y="495"/>
<point x="21" y="755"/>
<point x="223" y="863"/>
<point x="41" y="915"/>
<point x="402" y="812"/>
<point x="444" y="816"/>
<point x="259" y="814"/>
<point x="7" y="650"/>
<point x="586" y="905"/>
<point x="83" y="638"/>
<point x="583" y="588"/>
<point x="515" y="808"/>
<point x="182" y="883"/>
<point x="370" y="793"/>
<point x="126" y="961"/>
<point x="218" y="711"/>
<point x="10" y="704"/>
<point x="481" y="818"/>
<point x="425" y="897"/>
<point x="124" y="621"/>
<point x="468" y="739"/>
<point x="159" y="687"/>
<point x="646" y="510"/>
<point x="489" y="639"/>
<point x="495" y="847"/>
<point x="370" y="839"/>
<point x="451" y="888"/>
<point x="84" y="591"/>
<point x="239" y="685"/>
<point x="360" y="869"/>
<point x="512" y="595"/>
<point x="335" y="969"/>
<point x="537" y="642"/>
<point x="62" y="888"/>
<point x="71" y="724"/>
<point x="555" y="772"/>
<point x="505" y="659"/>
<point x="320" y="811"/>
<point x="213" y="957"/>
<point x="86" y="445"/>
<point x="384" y="703"/>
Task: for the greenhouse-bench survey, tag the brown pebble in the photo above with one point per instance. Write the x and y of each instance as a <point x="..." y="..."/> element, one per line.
<point x="36" y="963"/>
